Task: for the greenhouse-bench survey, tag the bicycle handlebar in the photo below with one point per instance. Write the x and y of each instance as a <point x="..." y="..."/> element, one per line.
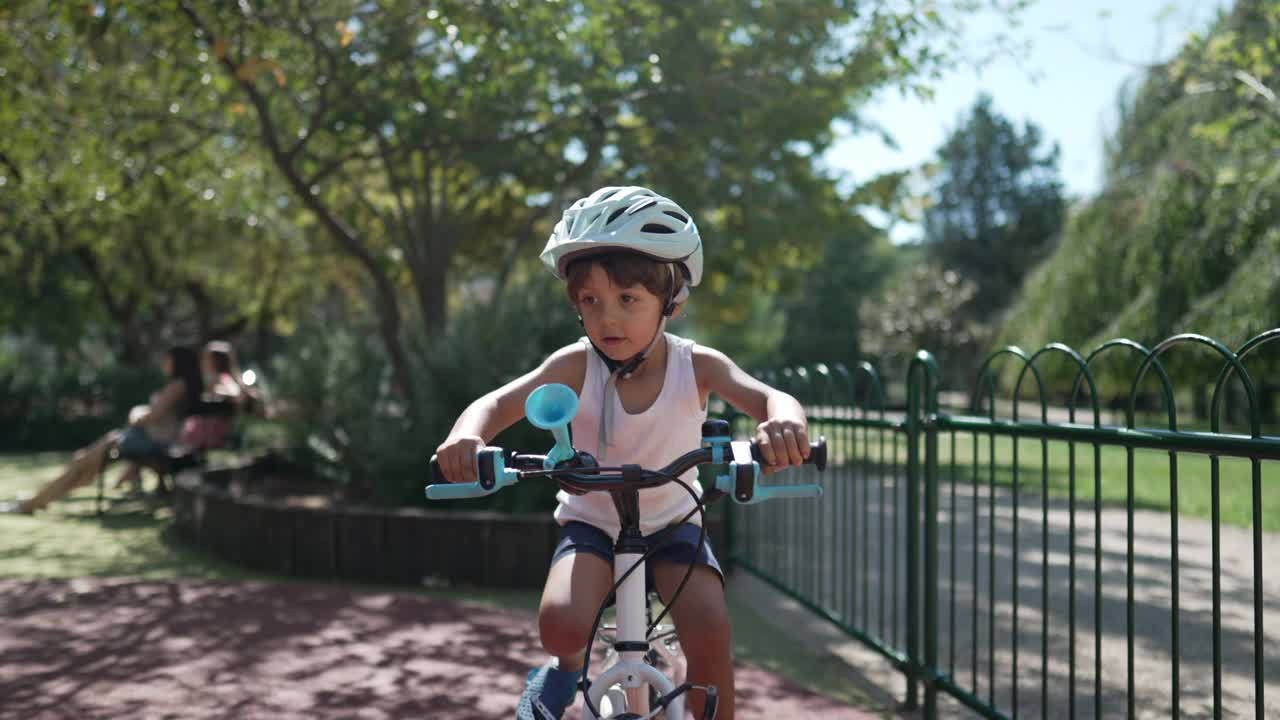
<point x="552" y="407"/>
<point x="741" y="483"/>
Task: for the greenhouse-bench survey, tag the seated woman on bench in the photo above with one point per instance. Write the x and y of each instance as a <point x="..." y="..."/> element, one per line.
<point x="152" y="428"/>
<point x="228" y="397"/>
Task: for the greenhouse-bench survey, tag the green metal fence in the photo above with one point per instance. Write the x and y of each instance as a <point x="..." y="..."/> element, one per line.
<point x="998" y="559"/>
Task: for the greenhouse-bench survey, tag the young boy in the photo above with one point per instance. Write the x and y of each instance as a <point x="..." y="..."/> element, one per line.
<point x="629" y="256"/>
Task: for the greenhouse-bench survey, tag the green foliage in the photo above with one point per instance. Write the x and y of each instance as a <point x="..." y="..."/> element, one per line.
<point x="1183" y="236"/>
<point x="345" y="422"/>
<point x="753" y="339"/>
<point x="48" y="404"/>
<point x="448" y="137"/>
<point x="126" y="214"/>
<point x="923" y="305"/>
<point x="825" y="323"/>
<point x="996" y="205"/>
<point x="183" y="170"/>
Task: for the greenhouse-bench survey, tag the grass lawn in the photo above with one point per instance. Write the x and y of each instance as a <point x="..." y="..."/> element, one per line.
<point x="69" y="540"/>
<point x="970" y="459"/>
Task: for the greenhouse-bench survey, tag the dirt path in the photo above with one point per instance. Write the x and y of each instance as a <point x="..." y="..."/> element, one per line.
<point x="200" y="649"/>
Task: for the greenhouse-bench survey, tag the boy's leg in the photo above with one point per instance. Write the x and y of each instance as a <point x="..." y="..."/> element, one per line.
<point x="702" y="622"/>
<point x="576" y="586"/>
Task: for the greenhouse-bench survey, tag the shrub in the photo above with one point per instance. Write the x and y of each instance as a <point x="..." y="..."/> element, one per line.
<point x="344" y="422"/>
<point x="49" y="404"/>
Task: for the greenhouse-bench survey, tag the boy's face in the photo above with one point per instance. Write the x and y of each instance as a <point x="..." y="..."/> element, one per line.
<point x="619" y="320"/>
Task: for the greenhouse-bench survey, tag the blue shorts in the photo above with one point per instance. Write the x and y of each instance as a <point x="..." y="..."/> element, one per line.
<point x="679" y="545"/>
<point x="135" y="443"/>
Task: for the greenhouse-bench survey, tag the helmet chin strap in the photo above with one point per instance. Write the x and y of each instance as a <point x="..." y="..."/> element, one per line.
<point x="625" y="368"/>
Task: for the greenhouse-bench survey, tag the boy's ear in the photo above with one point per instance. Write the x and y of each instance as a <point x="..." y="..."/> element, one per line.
<point x="675" y="311"/>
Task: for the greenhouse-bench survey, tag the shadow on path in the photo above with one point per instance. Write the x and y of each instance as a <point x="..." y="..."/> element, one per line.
<point x="196" y="649"/>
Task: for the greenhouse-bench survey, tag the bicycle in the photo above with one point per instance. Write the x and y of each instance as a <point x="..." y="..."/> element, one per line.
<point x="631" y="687"/>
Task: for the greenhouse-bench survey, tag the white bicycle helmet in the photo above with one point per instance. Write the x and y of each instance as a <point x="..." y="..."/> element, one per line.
<point x="626" y="218"/>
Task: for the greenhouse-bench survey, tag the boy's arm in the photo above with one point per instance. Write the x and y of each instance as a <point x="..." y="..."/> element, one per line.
<point x="501" y="408"/>
<point x="783" y="432"/>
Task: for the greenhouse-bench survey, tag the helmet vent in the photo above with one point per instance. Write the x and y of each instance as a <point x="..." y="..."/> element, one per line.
<point x="641" y="206"/>
<point x="676" y="215"/>
<point x="615" y="215"/>
<point x="656" y="228"/>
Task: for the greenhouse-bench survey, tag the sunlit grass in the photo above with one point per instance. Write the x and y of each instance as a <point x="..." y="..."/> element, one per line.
<point x="1042" y="465"/>
<point x="70" y="540"/>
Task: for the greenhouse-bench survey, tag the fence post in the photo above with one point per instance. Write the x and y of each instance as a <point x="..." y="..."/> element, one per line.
<point x="913" y="538"/>
<point x="922" y="413"/>
<point x="931" y="570"/>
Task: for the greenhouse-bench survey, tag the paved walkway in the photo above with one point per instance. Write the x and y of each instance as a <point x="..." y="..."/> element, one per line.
<point x="200" y="649"/>
<point x="1152" y="612"/>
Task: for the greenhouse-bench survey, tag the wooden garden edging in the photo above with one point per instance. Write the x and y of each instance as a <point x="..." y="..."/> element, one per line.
<point x="409" y="546"/>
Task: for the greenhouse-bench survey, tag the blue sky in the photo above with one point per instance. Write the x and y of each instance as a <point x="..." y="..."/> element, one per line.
<point x="1081" y="53"/>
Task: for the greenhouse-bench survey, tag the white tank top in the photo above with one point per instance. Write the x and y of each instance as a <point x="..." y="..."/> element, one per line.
<point x="670" y="427"/>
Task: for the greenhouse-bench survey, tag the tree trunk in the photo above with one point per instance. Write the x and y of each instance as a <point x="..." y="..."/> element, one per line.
<point x="262" y="339"/>
<point x="430" y="280"/>
<point x="133" y="349"/>
<point x="122" y="311"/>
<point x="386" y="303"/>
<point x="204" y="311"/>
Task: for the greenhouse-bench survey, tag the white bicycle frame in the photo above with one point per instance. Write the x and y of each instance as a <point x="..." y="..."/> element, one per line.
<point x="631" y="674"/>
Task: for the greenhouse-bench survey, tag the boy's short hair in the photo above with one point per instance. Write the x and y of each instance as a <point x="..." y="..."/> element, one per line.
<point x="624" y="269"/>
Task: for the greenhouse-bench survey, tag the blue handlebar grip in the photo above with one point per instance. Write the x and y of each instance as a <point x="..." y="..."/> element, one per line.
<point x="773" y="492"/>
<point x="489" y="463"/>
<point x="456" y="491"/>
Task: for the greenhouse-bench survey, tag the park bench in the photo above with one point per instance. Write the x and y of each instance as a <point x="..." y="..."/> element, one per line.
<point x="176" y="459"/>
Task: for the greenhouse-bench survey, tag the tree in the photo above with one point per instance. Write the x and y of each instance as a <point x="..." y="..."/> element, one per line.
<point x="459" y="131"/>
<point x="996" y="204"/>
<point x="121" y="206"/>
<point x="923" y="305"/>
<point x="825" y="323"/>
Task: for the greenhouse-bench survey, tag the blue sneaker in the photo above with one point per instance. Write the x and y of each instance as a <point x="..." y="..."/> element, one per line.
<point x="548" y="691"/>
